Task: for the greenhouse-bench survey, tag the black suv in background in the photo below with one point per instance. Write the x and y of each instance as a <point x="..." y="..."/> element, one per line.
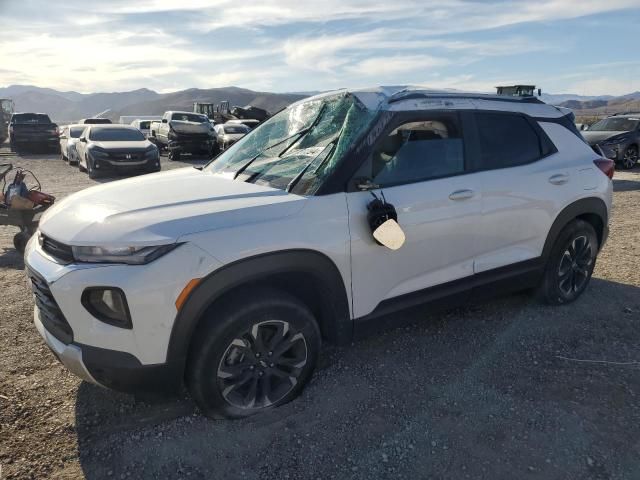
<point x="618" y="137"/>
<point x="32" y="130"/>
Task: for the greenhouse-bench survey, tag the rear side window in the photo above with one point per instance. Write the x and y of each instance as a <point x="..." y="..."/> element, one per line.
<point x="506" y="140"/>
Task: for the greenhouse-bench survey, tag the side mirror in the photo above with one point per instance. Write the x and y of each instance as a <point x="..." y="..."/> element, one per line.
<point x="585" y="127"/>
<point x="83" y="139"/>
<point x="382" y="218"/>
<point x="164" y="120"/>
<point x="390" y="234"/>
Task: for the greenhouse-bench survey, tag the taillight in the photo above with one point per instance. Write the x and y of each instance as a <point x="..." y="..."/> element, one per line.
<point x="606" y="166"/>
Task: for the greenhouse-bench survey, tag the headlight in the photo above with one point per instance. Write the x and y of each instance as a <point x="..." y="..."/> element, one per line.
<point x="95" y="152"/>
<point x="151" y="152"/>
<point x="127" y="255"/>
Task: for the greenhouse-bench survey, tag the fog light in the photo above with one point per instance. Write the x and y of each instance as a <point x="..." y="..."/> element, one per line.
<point x="107" y="304"/>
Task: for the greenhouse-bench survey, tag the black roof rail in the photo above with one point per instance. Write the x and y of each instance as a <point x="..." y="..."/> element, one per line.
<point x="400" y="96"/>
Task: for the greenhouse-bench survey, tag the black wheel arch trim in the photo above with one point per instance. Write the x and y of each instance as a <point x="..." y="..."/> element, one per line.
<point x="584" y="206"/>
<point x="336" y="324"/>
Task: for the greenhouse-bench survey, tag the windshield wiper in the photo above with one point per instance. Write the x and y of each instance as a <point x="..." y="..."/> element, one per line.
<point x="299" y="134"/>
<point x="294" y="181"/>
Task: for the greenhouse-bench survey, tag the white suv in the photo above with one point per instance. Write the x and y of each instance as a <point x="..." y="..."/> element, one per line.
<point x="229" y="276"/>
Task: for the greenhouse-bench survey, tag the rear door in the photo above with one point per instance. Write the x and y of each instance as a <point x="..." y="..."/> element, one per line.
<point x="419" y="165"/>
<point x="523" y="182"/>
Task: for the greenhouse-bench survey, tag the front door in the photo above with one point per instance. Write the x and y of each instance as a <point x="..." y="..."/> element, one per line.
<point x="419" y="165"/>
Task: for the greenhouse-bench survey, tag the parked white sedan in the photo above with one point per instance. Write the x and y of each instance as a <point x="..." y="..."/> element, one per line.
<point x="69" y="137"/>
<point x="230" y="133"/>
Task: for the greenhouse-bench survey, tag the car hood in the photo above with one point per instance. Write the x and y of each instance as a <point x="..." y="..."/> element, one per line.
<point x="160" y="208"/>
<point x="596" y="137"/>
<point x="138" y="145"/>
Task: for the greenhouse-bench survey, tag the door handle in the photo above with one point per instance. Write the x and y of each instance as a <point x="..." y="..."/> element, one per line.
<point x="461" y="195"/>
<point x="559" y="179"/>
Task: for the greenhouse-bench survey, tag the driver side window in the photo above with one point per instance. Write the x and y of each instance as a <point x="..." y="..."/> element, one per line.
<point x="418" y="150"/>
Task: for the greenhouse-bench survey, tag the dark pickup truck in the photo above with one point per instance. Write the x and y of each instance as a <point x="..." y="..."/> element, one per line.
<point x="32" y="130"/>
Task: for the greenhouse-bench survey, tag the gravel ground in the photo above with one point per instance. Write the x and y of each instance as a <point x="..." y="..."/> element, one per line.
<point x="504" y="389"/>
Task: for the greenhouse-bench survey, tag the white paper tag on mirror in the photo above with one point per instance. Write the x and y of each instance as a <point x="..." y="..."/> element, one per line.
<point x="390" y="235"/>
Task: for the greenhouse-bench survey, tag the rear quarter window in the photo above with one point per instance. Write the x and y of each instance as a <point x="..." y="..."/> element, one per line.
<point x="507" y="140"/>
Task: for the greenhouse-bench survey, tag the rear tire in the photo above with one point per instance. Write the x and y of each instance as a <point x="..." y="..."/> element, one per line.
<point x="570" y="264"/>
<point x="630" y="157"/>
<point x="249" y="356"/>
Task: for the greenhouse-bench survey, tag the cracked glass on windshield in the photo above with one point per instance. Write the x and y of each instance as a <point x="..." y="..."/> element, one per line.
<point x="300" y="146"/>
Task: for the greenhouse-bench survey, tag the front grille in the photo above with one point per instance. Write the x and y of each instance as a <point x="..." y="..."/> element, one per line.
<point x="50" y="313"/>
<point x="126" y="157"/>
<point x="194" y="136"/>
<point x="57" y="250"/>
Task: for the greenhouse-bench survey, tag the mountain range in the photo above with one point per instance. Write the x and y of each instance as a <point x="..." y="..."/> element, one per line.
<point x="69" y="106"/>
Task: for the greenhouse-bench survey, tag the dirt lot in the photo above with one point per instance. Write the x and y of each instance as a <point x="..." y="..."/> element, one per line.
<point x="505" y="389"/>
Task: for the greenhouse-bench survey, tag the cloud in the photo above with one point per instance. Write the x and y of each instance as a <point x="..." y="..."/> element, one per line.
<point x="285" y="44"/>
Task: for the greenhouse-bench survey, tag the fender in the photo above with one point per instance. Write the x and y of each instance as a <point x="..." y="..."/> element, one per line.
<point x="327" y="285"/>
<point x="585" y="206"/>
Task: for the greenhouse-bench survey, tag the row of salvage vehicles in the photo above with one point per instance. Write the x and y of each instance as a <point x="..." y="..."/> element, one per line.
<point x="99" y="148"/>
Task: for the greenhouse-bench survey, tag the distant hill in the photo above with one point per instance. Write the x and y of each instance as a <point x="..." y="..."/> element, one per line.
<point x="558" y="98"/>
<point x="71" y="106"/>
<point x="599" y="108"/>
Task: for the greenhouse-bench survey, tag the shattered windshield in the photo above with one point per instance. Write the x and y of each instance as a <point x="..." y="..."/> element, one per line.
<point x="300" y="146"/>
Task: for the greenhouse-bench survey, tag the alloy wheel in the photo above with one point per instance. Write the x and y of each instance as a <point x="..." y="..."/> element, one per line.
<point x="575" y="266"/>
<point x="262" y="365"/>
<point x="630" y="157"/>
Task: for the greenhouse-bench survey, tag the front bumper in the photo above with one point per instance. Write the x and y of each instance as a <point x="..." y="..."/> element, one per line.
<point x="191" y="145"/>
<point x="613" y="152"/>
<point x="105" y="163"/>
<point x="130" y="360"/>
<point x="69" y="355"/>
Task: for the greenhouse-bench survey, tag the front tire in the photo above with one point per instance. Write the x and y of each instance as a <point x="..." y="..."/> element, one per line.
<point x="174" y="155"/>
<point x="253" y="355"/>
<point x="570" y="264"/>
<point x="90" y="170"/>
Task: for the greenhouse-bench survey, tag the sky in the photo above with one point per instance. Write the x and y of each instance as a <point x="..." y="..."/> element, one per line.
<point x="587" y="47"/>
